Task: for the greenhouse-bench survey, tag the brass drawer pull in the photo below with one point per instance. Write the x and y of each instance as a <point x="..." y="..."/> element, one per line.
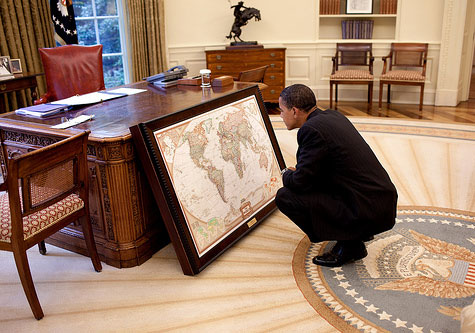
<point x="272" y="54"/>
<point x="272" y="77"/>
<point x="218" y="57"/>
<point x="219" y="67"/>
<point x="272" y="65"/>
<point x="3" y="87"/>
<point x="272" y="91"/>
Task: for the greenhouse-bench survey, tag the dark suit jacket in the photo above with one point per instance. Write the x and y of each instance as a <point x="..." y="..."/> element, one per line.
<point x="340" y="173"/>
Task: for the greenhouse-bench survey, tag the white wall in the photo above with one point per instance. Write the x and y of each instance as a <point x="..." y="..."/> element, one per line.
<point x="207" y="22"/>
<point x="195" y="26"/>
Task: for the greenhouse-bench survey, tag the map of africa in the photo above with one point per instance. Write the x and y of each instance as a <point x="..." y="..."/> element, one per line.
<point x="223" y="169"/>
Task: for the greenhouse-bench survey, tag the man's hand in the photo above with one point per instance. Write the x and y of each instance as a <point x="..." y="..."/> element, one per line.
<point x="284" y="170"/>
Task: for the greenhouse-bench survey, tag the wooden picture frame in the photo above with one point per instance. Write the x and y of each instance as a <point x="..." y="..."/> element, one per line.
<point x="359" y="6"/>
<point x="15" y="66"/>
<point x="5" y="66"/>
<point x="214" y="170"/>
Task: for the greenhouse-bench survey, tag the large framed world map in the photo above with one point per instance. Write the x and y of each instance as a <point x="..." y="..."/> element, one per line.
<point x="214" y="170"/>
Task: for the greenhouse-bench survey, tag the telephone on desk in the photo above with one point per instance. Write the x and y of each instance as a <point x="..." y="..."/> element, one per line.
<point x="169" y="77"/>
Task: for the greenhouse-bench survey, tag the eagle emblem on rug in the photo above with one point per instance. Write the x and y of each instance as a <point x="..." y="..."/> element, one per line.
<point x="425" y="265"/>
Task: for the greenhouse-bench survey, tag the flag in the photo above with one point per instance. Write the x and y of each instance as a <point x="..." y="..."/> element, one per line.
<point x="62" y="14"/>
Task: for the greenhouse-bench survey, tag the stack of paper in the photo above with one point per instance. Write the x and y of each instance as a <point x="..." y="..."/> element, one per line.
<point x="42" y="110"/>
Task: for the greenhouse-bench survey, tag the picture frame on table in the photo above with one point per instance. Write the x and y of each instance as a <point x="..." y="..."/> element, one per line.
<point x="5" y="66"/>
<point x="214" y="170"/>
<point x="15" y="66"/>
<point x="359" y="6"/>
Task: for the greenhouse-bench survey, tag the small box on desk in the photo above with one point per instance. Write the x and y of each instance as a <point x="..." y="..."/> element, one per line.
<point x="220" y="81"/>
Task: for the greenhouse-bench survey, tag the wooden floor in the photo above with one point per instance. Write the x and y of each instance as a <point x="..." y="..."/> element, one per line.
<point x="462" y="113"/>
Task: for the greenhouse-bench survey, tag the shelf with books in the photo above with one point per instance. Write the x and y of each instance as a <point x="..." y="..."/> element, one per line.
<point x="384" y="17"/>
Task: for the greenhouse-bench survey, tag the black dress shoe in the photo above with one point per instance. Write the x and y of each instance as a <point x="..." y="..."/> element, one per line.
<point x="342" y="253"/>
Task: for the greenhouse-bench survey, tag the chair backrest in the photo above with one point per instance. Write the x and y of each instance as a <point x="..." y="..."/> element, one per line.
<point x="354" y="54"/>
<point x="40" y="178"/>
<point x="72" y="70"/>
<point x="253" y="75"/>
<point x="408" y="55"/>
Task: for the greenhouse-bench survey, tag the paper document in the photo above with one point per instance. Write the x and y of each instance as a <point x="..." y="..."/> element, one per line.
<point x="91" y="98"/>
<point x="74" y="121"/>
<point x="128" y="91"/>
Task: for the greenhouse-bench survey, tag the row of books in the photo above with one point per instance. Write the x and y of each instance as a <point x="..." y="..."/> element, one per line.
<point x="388" y="6"/>
<point x="357" y="29"/>
<point x="328" y="7"/>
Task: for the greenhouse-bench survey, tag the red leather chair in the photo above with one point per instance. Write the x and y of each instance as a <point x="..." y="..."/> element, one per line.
<point x="71" y="70"/>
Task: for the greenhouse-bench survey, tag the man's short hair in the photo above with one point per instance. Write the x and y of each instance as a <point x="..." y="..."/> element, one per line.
<point x="299" y="96"/>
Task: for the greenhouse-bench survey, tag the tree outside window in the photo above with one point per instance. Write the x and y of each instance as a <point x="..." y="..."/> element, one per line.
<point x="99" y="22"/>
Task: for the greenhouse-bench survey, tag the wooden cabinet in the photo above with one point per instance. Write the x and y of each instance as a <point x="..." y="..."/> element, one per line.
<point x="231" y="62"/>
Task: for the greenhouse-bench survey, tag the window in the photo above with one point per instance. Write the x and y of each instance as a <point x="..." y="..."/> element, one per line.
<point x="100" y="22"/>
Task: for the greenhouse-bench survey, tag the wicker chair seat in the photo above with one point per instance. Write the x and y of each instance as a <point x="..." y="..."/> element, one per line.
<point x="403" y="75"/>
<point x="34" y="223"/>
<point x="352" y="74"/>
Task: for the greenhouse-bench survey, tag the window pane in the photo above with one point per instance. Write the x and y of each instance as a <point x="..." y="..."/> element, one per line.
<point x="109" y="35"/>
<point x="86" y="32"/>
<point x="106" y="8"/>
<point x="113" y="71"/>
<point x="83" y="8"/>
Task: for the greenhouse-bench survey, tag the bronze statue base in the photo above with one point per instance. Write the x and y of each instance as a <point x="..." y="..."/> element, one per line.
<point x="244" y="45"/>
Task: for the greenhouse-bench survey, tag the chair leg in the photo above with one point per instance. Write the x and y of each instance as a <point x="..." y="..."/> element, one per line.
<point x="389" y="94"/>
<point x="90" y="243"/>
<point x="370" y="96"/>
<point x="331" y="95"/>
<point x="336" y="94"/>
<point x="380" y="95"/>
<point x="21" y="261"/>
<point x="42" y="247"/>
<point x="421" y="99"/>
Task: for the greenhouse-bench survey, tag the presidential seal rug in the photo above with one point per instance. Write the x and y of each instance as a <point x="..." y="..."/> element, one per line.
<point x="417" y="277"/>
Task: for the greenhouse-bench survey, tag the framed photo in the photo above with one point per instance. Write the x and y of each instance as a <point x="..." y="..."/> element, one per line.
<point x="214" y="170"/>
<point x="15" y="65"/>
<point x="359" y="6"/>
<point x="5" y="66"/>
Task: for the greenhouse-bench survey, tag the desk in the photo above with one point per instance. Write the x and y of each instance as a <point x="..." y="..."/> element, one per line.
<point x="19" y="82"/>
<point x="127" y="225"/>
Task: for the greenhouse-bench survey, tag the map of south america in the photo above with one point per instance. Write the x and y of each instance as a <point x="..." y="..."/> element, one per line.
<point x="223" y="169"/>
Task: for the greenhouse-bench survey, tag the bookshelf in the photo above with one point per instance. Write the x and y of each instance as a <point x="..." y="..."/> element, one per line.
<point x="384" y="25"/>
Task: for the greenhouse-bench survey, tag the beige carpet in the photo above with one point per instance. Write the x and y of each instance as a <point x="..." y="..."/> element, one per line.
<point x="250" y="288"/>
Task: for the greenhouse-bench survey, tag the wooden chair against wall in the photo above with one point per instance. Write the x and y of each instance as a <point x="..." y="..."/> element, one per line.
<point x="71" y="70"/>
<point x="45" y="190"/>
<point x="395" y="68"/>
<point x="347" y="68"/>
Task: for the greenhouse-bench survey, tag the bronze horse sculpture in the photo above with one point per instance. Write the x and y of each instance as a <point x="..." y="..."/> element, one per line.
<point x="241" y="18"/>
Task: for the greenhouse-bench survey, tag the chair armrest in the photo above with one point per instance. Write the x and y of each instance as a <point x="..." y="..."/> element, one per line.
<point x="385" y="64"/>
<point x="334" y="64"/>
<point x="424" y="63"/>
<point x="371" y="60"/>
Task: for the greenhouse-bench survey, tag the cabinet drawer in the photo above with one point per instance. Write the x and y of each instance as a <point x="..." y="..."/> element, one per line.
<point x="274" y="79"/>
<point x="238" y="56"/>
<point x="272" y="93"/>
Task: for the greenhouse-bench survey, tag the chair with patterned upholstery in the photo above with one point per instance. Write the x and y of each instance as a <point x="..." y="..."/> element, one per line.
<point x="404" y="65"/>
<point x="71" y="70"/>
<point x="44" y="191"/>
<point x="352" y="64"/>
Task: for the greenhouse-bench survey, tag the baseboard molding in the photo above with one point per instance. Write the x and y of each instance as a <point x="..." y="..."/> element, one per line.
<point x="446" y="97"/>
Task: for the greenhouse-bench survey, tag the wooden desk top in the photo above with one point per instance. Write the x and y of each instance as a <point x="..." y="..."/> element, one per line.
<point x="114" y="117"/>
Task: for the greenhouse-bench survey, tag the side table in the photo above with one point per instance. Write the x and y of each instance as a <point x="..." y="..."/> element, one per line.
<point x="19" y="82"/>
